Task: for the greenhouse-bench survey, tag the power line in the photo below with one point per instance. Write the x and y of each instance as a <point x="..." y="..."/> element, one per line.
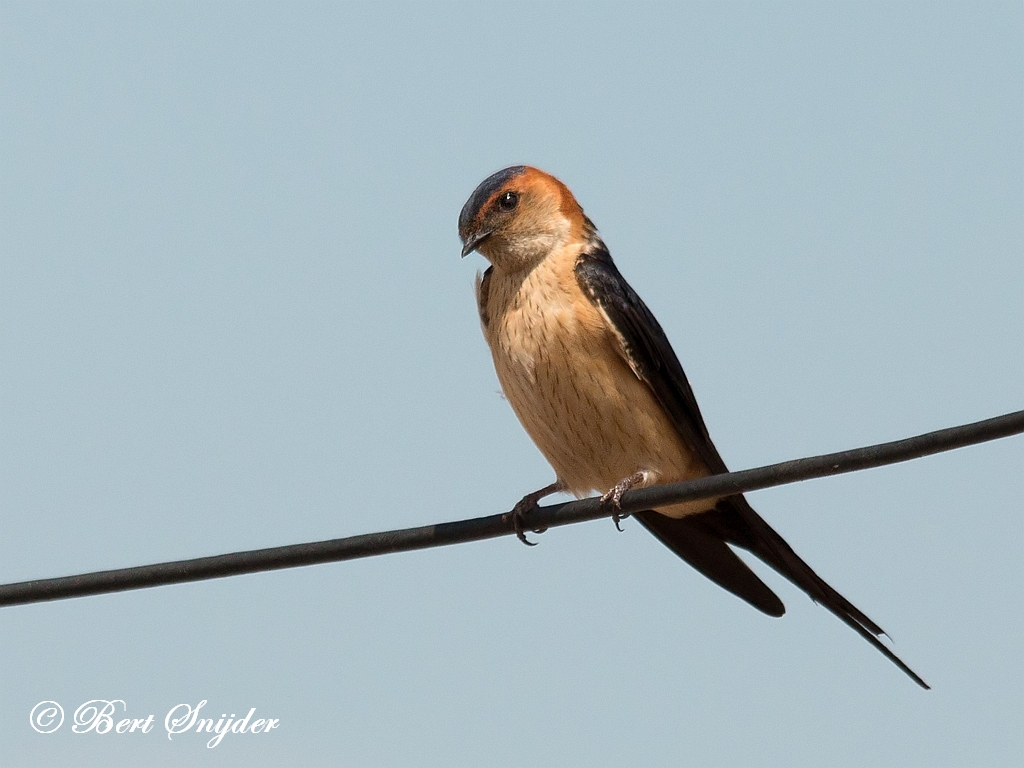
<point x="442" y="534"/>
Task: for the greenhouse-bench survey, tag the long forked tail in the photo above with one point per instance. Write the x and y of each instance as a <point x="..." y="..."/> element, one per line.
<point x="703" y="541"/>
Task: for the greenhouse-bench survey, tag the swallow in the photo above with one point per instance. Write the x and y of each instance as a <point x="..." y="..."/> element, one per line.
<point x="596" y="384"/>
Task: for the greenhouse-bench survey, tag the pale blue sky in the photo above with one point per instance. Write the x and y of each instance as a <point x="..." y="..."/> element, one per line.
<point x="233" y="315"/>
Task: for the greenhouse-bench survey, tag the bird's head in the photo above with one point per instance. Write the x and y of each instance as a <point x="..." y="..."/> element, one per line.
<point x="519" y="215"/>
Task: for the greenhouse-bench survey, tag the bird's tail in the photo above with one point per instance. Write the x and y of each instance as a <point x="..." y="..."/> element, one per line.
<point x="703" y="541"/>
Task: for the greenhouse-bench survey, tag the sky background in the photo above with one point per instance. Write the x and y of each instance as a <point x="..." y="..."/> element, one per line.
<point x="233" y="315"/>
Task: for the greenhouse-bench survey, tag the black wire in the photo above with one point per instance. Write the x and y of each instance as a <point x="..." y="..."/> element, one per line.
<point x="441" y="534"/>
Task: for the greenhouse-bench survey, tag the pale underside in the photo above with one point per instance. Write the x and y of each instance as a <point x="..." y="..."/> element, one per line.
<point x="563" y="371"/>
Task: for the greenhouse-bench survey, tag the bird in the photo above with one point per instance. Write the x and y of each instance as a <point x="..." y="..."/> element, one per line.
<point x="594" y="381"/>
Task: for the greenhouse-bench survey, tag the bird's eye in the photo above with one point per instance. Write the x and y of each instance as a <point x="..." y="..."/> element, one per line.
<point x="508" y="201"/>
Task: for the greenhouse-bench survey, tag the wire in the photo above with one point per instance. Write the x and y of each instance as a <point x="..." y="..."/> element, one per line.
<point x="540" y="518"/>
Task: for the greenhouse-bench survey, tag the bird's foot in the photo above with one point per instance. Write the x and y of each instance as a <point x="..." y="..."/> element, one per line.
<point x="527" y="504"/>
<point x="614" y="496"/>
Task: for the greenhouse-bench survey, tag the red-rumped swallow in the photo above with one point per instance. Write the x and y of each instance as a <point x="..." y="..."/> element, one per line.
<point x="594" y="381"/>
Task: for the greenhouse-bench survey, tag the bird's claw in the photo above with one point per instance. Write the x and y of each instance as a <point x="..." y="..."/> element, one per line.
<point x="518" y="514"/>
<point x="614" y="497"/>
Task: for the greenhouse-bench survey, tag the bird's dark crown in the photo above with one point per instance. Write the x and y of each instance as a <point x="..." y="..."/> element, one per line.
<point x="483" y="193"/>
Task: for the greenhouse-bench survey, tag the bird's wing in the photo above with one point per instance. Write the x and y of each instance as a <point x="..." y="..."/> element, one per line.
<point x="483" y="289"/>
<point x="702" y="539"/>
<point x="644" y="346"/>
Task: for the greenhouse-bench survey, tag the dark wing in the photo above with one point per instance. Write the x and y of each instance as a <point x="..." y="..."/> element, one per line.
<point x="483" y="290"/>
<point x="703" y="539"/>
<point x="647" y="350"/>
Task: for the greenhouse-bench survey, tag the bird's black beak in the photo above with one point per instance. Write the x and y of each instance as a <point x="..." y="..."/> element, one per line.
<point x="474" y="240"/>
